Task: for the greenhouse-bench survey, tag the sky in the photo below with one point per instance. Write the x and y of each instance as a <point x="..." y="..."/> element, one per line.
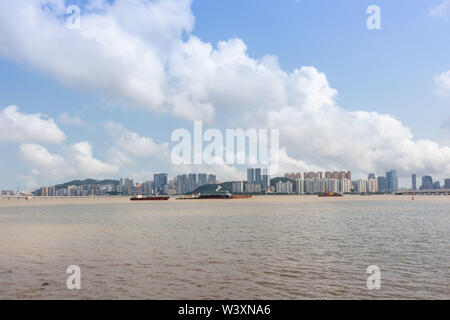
<point x="102" y="100"/>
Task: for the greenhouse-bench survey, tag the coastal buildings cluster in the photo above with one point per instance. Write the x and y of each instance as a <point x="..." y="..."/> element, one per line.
<point x="258" y="182"/>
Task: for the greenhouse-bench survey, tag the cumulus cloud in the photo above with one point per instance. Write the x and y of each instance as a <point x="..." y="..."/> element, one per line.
<point x="443" y="84"/>
<point x="144" y="52"/>
<point x="68" y="120"/>
<point x="28" y="128"/>
<point x="443" y="9"/>
<point x="128" y="145"/>
<point x="77" y="161"/>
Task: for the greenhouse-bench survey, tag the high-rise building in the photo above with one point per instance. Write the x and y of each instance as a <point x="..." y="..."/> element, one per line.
<point x="299" y="186"/>
<point x="251" y="175"/>
<point x="202" y="179"/>
<point x="427" y="183"/>
<point x="392" y="180"/>
<point x="237" y="186"/>
<point x="382" y="184"/>
<point x="265" y="180"/>
<point x="447" y="183"/>
<point x="212" y="179"/>
<point x="371" y="176"/>
<point x="414" y="182"/>
<point x="348" y="175"/>
<point x="258" y="176"/>
<point x="181" y="183"/>
<point x="436" y="185"/>
<point x="372" y="186"/>
<point x="361" y="186"/>
<point x="159" y="180"/>
<point x="284" y="187"/>
<point x="192" y="182"/>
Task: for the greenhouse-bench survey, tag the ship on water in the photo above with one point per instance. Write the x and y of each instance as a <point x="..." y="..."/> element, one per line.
<point x="330" y="194"/>
<point x="149" y="198"/>
<point x="217" y="195"/>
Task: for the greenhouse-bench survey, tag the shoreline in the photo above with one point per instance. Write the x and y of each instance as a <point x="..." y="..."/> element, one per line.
<point x="4" y="202"/>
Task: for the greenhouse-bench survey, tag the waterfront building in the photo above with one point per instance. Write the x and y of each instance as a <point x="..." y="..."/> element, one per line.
<point x="332" y="185"/>
<point x="251" y="175"/>
<point x="299" y="186"/>
<point x="237" y="186"/>
<point x="372" y="185"/>
<point x="212" y="179"/>
<point x="348" y="175"/>
<point x="293" y="176"/>
<point x="414" y="182"/>
<point x="437" y="185"/>
<point x="202" y="179"/>
<point x="392" y="181"/>
<point x="361" y="186"/>
<point x="252" y="188"/>
<point x="257" y="176"/>
<point x="345" y="185"/>
<point x="160" y="180"/>
<point x="309" y="185"/>
<point x="284" y="187"/>
<point x="447" y="183"/>
<point x="192" y="182"/>
<point x="265" y="180"/>
<point x="427" y="183"/>
<point x="382" y="184"/>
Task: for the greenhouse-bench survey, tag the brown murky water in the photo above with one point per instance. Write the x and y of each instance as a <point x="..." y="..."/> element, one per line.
<point x="261" y="248"/>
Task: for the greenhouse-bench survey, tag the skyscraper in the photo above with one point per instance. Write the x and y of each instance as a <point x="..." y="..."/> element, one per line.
<point x="392" y="180"/>
<point x="371" y="176"/>
<point x="258" y="176"/>
<point x="447" y="183"/>
<point x="414" y="182"/>
<point x="251" y="175"/>
<point x="212" y="179"/>
<point x="192" y="182"/>
<point x="202" y="179"/>
<point x="382" y="184"/>
<point x="160" y="180"/>
<point x="265" y="180"/>
<point x="427" y="183"/>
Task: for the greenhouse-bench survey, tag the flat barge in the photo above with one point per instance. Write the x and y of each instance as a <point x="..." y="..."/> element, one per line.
<point x="150" y="198"/>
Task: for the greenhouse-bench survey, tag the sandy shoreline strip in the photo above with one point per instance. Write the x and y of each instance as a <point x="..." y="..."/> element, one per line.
<point x="272" y="198"/>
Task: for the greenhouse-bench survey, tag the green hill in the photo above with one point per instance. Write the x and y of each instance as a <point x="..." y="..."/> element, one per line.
<point x="274" y="181"/>
<point x="85" y="182"/>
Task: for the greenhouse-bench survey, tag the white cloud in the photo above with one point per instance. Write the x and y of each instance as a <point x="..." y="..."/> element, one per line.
<point x="443" y="83"/>
<point x="443" y="9"/>
<point x="77" y="162"/>
<point x="128" y="145"/>
<point x="68" y="120"/>
<point x="144" y="53"/>
<point x="28" y="128"/>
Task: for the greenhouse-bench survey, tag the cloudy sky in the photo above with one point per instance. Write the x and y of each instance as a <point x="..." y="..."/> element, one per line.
<point x="102" y="101"/>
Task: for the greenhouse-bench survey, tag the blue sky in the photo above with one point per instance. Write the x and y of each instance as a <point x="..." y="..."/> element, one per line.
<point x="391" y="71"/>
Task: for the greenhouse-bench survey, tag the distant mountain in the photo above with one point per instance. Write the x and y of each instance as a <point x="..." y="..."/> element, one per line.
<point x="274" y="181"/>
<point x="85" y="182"/>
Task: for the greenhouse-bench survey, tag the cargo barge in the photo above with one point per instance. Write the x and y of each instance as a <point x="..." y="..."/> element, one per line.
<point x="149" y="198"/>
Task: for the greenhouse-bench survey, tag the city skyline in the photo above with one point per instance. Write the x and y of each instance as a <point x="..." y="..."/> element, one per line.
<point x="97" y="115"/>
<point x="299" y="183"/>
